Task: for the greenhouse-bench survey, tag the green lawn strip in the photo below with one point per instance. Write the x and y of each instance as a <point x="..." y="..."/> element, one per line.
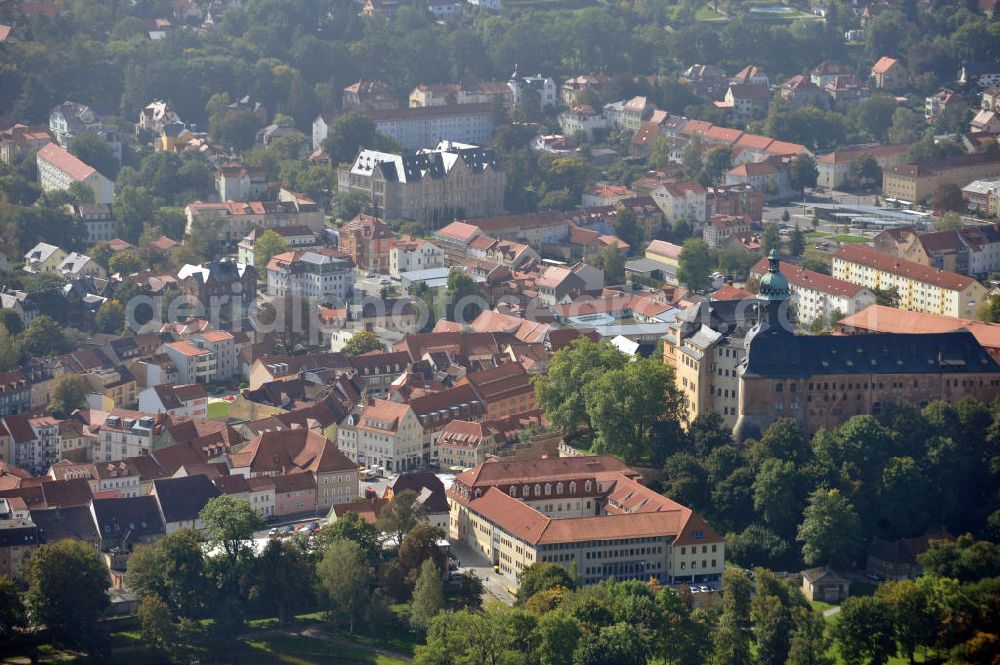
<point x="816" y="234"/>
<point x="851" y="239"/>
<point x="218" y="409"/>
<point x="819" y="606"/>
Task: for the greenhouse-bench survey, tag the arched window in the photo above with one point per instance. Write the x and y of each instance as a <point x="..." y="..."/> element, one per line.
<point x="513" y="490"/>
<point x="572" y="487"/>
<point x="538" y="490"/>
<point x="587" y="486"/>
<point x="548" y="489"/>
<point x="559" y="489"/>
<point x="527" y="492"/>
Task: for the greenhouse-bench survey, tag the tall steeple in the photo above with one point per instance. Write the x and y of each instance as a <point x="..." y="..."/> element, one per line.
<point x="773" y="291"/>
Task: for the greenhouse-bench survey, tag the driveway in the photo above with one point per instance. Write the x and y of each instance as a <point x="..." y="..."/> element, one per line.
<point x="495" y="585"/>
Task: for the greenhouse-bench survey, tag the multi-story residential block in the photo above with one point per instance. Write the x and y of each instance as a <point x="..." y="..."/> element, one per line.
<point x="58" y="169"/>
<point x="583" y="119"/>
<point x="504" y="391"/>
<point x="259" y="491"/>
<point x="969" y="250"/>
<point x="15" y="393"/>
<point x="389" y="435"/>
<point x="69" y="120"/>
<point x="706" y="81"/>
<point x="536" y="229"/>
<point x="586" y="513"/>
<point x="634" y="111"/>
<point x="295" y="494"/>
<point x="155" y="116"/>
<point x="820" y="381"/>
<point x="321" y="274"/>
<point x="720" y="228"/>
<point x="921" y="288"/>
<point x="236" y="218"/>
<point x="432" y="186"/>
<point x="19" y="139"/>
<point x="945" y="106"/>
<point x="818" y="296"/>
<point x="847" y="91"/>
<point x="19" y="536"/>
<point x="236" y="182"/>
<point x="446" y="94"/>
<point x="125" y="434"/>
<point x="827" y="71"/>
<point x="181" y="499"/>
<point x="416" y="127"/>
<point x="367" y="240"/>
<point x="465" y="444"/>
<point x="681" y="201"/>
<point x="734" y="201"/>
<point x="888" y="74"/>
<point x="299" y="452"/>
<point x="836" y="168"/>
<point x="97" y="220"/>
<point x="222" y="283"/>
<point x="983" y="197"/>
<point x="745" y="99"/>
<point x="917" y="182"/>
<point x="771" y="177"/>
<point x="408" y="253"/>
<point x="189" y="400"/>
<point x="203" y="357"/>
<point x="543" y="88"/>
<point x="571" y="88"/>
<point x="35" y="442"/>
<point x="455" y="240"/>
<point x="119" y="478"/>
<point x="296" y="237"/>
<point x="368" y="95"/>
<point x="558" y="282"/>
<point x="77" y="265"/>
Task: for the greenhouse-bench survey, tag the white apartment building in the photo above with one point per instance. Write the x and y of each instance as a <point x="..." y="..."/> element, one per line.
<point x="386" y="434"/>
<point x="296" y="237"/>
<point x="124" y="434"/>
<point x="58" y="169"/>
<point x="204" y="357"/>
<point x="417" y="127"/>
<point x="237" y="218"/>
<point x="408" y="254"/>
<point x="816" y="296"/>
<point x="97" y="220"/>
<point x="324" y="275"/>
<point x="35" y="442"/>
<point x="921" y="288"/>
<point x="545" y="87"/>
<point x="681" y="200"/>
<point x="582" y="119"/>
<point x="176" y="400"/>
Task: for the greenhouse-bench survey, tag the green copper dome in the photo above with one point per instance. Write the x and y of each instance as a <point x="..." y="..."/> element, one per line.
<point x="773" y="285"/>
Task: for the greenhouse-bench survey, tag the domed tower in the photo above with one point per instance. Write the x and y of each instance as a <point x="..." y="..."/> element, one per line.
<point x="773" y="292"/>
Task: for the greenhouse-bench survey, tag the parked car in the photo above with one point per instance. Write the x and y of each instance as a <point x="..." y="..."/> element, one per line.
<point x="273" y="533"/>
<point x="705" y="589"/>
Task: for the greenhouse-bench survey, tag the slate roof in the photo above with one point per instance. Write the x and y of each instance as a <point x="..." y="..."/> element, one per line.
<point x="775" y="353"/>
<point x="138" y="515"/>
<point x="181" y="499"/>
<point x="55" y="524"/>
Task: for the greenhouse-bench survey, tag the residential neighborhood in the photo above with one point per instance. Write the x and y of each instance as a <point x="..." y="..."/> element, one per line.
<point x="500" y="331"/>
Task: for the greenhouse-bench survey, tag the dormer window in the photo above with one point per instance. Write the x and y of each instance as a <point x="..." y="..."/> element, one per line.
<point x="513" y="490"/>
<point x="588" y="486"/>
<point x="548" y="489"/>
<point x="559" y="489"/>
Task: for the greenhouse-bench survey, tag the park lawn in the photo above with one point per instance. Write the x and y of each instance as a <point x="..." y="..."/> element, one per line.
<point x="705" y="14"/>
<point x="819" y="606"/>
<point x="302" y="650"/>
<point x="219" y="409"/>
<point x="851" y="239"/>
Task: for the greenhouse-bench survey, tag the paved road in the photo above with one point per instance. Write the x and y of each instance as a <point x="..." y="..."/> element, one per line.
<point x="830" y="612"/>
<point x="495" y="585"/>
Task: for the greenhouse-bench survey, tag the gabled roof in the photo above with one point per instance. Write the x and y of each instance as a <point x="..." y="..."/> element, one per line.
<point x="65" y="162"/>
<point x="868" y="256"/>
<point x="811" y="279"/>
<point x="884" y="64"/>
<point x="181" y="499"/>
<point x="135" y="517"/>
<point x="291" y="451"/>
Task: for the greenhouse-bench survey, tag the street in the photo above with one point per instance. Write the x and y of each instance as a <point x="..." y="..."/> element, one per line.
<point x="494" y="584"/>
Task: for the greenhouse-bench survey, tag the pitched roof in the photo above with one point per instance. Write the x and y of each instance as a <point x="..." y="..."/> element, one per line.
<point x="811" y="279"/>
<point x="884" y="319"/>
<point x="136" y="517"/>
<point x="884" y="64"/>
<point x="181" y="499"/>
<point x="868" y="256"/>
<point x="664" y="248"/>
<point x="291" y="450"/>
<point x="66" y="162"/>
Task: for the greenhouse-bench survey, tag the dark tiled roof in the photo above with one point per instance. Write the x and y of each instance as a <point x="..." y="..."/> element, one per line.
<point x="181" y="499"/>
<point x="138" y="515"/>
<point x="55" y="524"/>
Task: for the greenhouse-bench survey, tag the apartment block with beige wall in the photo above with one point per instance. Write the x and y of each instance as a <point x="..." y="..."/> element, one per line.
<point x="921" y="288"/>
<point x="589" y="514"/>
<point x="917" y="182"/>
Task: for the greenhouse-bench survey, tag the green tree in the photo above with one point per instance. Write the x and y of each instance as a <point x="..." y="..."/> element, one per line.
<point x="229" y="526"/>
<point x="627" y="226"/>
<point x="68" y="393"/>
<point x="809" y="642"/>
<point x="204" y="238"/>
<point x="964" y="559"/>
<point x="560" y="393"/>
<point x="948" y="222"/>
<point x="694" y="264"/>
<point x="428" y="597"/>
<point x="158" y="626"/>
<point x="68" y="594"/>
<point x="830" y="529"/>
<point x="542" y="576"/>
<point x="12" y="616"/>
<point x="43" y="337"/>
<point x="913" y="612"/>
<point x="733" y="634"/>
<point x="267" y="245"/>
<point x="866" y="170"/>
<point x="779" y="494"/>
<point x="625" y="407"/>
<point x="419" y="545"/>
<point x="11" y="321"/>
<point x="351" y="526"/>
<point x="691" y="156"/>
<point x="717" y="162"/>
<point x="344" y="577"/>
<point x="347" y="205"/>
<point x="771" y="616"/>
<point x="110" y="317"/>
<point x="124" y="263"/>
<point x="351" y="132"/>
<point x="558" y="634"/>
<point x="134" y="208"/>
<point x="10" y="350"/>
<point x="617" y="643"/>
<point x="803" y="172"/>
<point x="172" y="569"/>
<point x="363" y="341"/>
<point x="96" y="152"/>
<point x="948" y="197"/>
<point x="282" y="578"/>
<point x="463" y="299"/>
<point x="611" y="261"/>
<point x="401" y="515"/>
<point x="771" y="238"/>
<point x="907" y="126"/>
<point x="864" y="632"/>
<point x="887" y="297"/>
<point x="659" y="155"/>
<point x="797" y="242"/>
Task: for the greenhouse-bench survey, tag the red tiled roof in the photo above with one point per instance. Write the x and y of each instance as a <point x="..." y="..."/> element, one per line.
<point x="804" y="277"/>
<point x="868" y="256"/>
<point x="65" y="162"/>
<point x="883" y="319"/>
<point x="884" y="64"/>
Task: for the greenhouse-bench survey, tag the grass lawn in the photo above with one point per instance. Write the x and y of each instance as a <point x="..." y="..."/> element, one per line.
<point x="816" y="234"/>
<point x="705" y="14"/>
<point x="219" y="409"/>
<point x="819" y="606"/>
<point x="851" y="239"/>
<point x="302" y="650"/>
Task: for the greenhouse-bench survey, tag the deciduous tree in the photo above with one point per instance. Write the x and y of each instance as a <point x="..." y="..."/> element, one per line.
<point x="344" y="577"/>
<point x="428" y="596"/>
<point x="830" y="529"/>
<point x="363" y="341"/>
<point x="68" y="393"/>
<point x="864" y="631"/>
<point x="694" y="264"/>
<point x="266" y="246"/>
